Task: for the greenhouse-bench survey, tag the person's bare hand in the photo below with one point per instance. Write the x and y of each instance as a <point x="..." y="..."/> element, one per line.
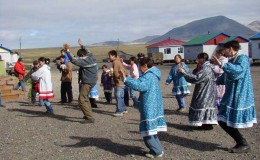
<point x="216" y="60"/>
<point x="80" y="42"/>
<point x="66" y="47"/>
<point x="182" y="69"/>
<point x="121" y="60"/>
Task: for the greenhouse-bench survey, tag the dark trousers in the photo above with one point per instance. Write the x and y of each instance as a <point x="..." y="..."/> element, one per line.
<point x="93" y="102"/>
<point x="66" y="90"/>
<point x="33" y="94"/>
<point x="108" y="96"/>
<point x="233" y="132"/>
<point x="126" y="96"/>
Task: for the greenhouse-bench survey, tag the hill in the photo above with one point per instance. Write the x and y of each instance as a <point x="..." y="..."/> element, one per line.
<point x="145" y="39"/>
<point x="201" y="27"/>
<point x="255" y="26"/>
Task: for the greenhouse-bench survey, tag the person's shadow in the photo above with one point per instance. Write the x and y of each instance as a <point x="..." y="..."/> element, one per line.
<point x="189" y="143"/>
<point x="43" y="114"/>
<point x="107" y="145"/>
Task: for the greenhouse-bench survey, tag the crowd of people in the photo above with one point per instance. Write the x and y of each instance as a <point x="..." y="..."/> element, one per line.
<point x="223" y="93"/>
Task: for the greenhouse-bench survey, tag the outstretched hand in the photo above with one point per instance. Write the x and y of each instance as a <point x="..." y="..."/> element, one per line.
<point x="182" y="69"/>
<point x="66" y="47"/>
<point x="216" y="60"/>
<point x="80" y="42"/>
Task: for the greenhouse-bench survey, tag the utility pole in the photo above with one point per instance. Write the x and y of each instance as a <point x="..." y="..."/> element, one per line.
<point x="118" y="44"/>
<point x="20" y="39"/>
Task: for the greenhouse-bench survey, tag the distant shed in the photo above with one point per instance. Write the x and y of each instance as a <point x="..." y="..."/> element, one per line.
<point x="169" y="47"/>
<point x="8" y="56"/>
<point x="205" y="43"/>
<point x="255" y="39"/>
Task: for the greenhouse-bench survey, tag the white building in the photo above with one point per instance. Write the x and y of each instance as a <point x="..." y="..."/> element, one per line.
<point x="169" y="48"/>
<point x="255" y="39"/>
<point x="8" y="56"/>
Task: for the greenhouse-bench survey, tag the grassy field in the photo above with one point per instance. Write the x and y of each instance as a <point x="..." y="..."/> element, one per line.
<point x="99" y="52"/>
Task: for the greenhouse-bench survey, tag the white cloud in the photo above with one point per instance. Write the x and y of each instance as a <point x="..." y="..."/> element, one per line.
<point x="51" y="23"/>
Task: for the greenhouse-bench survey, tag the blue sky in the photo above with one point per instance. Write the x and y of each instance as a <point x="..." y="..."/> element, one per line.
<point x="50" y="23"/>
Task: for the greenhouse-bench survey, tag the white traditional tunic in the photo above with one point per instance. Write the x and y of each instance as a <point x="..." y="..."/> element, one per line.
<point x="43" y="75"/>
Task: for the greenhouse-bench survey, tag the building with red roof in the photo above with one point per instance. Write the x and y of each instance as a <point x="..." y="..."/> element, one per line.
<point x="169" y="47"/>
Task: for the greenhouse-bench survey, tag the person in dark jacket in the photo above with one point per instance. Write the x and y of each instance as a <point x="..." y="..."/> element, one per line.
<point x="88" y="78"/>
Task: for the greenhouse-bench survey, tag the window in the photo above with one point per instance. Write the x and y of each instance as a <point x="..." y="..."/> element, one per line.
<point x="258" y="45"/>
<point x="180" y="50"/>
<point x="167" y="51"/>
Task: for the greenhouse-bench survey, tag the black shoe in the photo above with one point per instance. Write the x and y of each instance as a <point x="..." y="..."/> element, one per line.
<point x="86" y="121"/>
<point x="241" y="149"/>
<point x="49" y="113"/>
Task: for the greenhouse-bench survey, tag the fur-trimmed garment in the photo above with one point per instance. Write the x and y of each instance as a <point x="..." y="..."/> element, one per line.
<point x="151" y="103"/>
<point x="43" y="75"/>
<point x="203" y="108"/>
<point x="237" y="108"/>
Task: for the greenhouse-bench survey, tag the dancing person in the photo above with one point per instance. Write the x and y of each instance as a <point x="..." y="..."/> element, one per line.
<point x="43" y="75"/>
<point x="237" y="107"/>
<point x="203" y="110"/>
<point x="33" y="83"/>
<point x="134" y="73"/>
<point x="180" y="86"/>
<point x="150" y="106"/>
<point x="119" y="84"/>
<point x="66" y="80"/>
<point x="87" y="77"/>
<point x="218" y="72"/>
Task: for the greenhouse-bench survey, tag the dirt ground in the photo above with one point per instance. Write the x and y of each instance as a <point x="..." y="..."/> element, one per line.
<point x="26" y="133"/>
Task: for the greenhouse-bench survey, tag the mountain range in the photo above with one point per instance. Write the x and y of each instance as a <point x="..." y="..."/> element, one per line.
<point x="217" y="24"/>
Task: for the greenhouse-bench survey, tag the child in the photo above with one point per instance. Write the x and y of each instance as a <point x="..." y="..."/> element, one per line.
<point x="150" y="105"/>
<point x="218" y="72"/>
<point x="33" y="83"/>
<point x="203" y="110"/>
<point x="134" y="73"/>
<point x="66" y="80"/>
<point x="106" y="81"/>
<point x="93" y="95"/>
<point x="43" y="75"/>
<point x="180" y="85"/>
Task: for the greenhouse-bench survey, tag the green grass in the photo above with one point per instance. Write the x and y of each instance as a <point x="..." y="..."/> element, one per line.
<point x="100" y="52"/>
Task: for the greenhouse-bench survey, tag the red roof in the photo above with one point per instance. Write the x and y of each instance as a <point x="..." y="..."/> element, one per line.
<point x="167" y="42"/>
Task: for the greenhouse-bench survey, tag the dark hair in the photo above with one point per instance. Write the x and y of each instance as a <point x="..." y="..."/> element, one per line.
<point x="146" y="61"/>
<point x="132" y="59"/>
<point x="45" y="60"/>
<point x="113" y="53"/>
<point x="62" y="50"/>
<point x="204" y="56"/>
<point x="177" y="55"/>
<point x="62" y="56"/>
<point x="140" y="55"/>
<point x="20" y="59"/>
<point x="220" y="51"/>
<point x="82" y="52"/>
<point x="104" y="66"/>
<point x="234" y="44"/>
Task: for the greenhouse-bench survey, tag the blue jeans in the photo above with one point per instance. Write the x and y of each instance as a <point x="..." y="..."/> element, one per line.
<point x="47" y="104"/>
<point x="181" y="100"/>
<point x="133" y="96"/>
<point x="0" y="99"/>
<point x="41" y="102"/>
<point x="119" y="95"/>
<point x="153" y="143"/>
<point x="20" y="83"/>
